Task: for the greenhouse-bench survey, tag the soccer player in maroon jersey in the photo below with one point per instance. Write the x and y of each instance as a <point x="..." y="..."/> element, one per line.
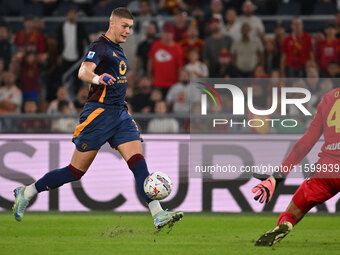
<point x="324" y="184"/>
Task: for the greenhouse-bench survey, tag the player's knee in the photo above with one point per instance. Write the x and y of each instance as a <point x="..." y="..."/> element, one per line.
<point x="75" y="172"/>
<point x="135" y="159"/>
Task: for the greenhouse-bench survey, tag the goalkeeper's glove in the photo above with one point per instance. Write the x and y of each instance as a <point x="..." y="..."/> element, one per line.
<point x="264" y="190"/>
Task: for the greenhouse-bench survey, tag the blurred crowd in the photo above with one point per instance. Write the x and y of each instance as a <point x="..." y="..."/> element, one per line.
<point x="174" y="42"/>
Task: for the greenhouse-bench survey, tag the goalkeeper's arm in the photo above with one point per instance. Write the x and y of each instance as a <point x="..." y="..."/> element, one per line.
<point x="265" y="189"/>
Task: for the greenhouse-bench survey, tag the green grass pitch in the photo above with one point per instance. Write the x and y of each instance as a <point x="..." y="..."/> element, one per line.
<point x="99" y="233"/>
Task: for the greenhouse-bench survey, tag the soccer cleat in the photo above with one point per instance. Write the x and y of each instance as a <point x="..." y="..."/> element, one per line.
<point x="164" y="218"/>
<point x="275" y="235"/>
<point x="20" y="204"/>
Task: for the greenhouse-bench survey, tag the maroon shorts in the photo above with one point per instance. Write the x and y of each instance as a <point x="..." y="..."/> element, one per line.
<point x="318" y="189"/>
<point x="315" y="191"/>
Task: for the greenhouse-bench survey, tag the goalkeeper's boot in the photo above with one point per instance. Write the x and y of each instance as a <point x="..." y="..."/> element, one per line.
<point x="20" y="204"/>
<point x="275" y="235"/>
<point x="164" y="218"/>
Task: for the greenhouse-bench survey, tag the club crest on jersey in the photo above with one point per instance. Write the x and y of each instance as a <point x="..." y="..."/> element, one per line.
<point x="84" y="146"/>
<point x="90" y="55"/>
<point x="114" y="54"/>
<point x="122" y="67"/>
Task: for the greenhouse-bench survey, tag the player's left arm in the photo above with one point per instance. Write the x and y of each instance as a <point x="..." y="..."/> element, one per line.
<point x="86" y="73"/>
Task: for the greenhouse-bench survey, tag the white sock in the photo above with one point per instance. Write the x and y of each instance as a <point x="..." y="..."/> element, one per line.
<point x="155" y="207"/>
<point x="30" y="191"/>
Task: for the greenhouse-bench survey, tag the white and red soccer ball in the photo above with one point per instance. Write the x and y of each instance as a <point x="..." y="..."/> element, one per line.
<point x="157" y="186"/>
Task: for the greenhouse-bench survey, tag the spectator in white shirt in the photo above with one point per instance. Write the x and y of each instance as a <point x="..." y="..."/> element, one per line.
<point x="195" y="67"/>
<point x="64" y="124"/>
<point x="162" y="124"/>
<point x="71" y="38"/>
<point x="10" y="95"/>
<point x="232" y="27"/>
<point x="182" y="94"/>
<point x="256" y="24"/>
<point x="62" y="95"/>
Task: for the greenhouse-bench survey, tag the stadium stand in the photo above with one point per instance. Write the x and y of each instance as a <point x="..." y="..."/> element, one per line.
<point x="93" y="17"/>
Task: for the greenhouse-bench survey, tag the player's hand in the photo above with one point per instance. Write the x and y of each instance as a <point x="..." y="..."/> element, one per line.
<point x="106" y="79"/>
<point x="265" y="189"/>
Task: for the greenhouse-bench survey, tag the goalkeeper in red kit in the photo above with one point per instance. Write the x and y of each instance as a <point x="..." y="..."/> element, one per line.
<point x="325" y="182"/>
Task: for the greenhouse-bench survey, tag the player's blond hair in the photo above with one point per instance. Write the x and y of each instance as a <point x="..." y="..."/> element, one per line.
<point x="121" y="12"/>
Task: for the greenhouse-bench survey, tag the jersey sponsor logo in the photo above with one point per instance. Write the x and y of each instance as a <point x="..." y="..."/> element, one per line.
<point x="163" y="56"/>
<point x="333" y="147"/>
<point x="122" y="67"/>
<point x="121" y="79"/>
<point x="90" y="55"/>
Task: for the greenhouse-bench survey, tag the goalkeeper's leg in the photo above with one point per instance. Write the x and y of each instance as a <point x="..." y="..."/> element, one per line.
<point x="296" y="209"/>
<point x="311" y="193"/>
<point x="285" y="224"/>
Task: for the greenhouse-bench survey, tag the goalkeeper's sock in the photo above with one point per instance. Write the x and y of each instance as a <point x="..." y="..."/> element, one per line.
<point x="287" y="216"/>
<point x="140" y="171"/>
<point x="30" y="191"/>
<point x="58" y="177"/>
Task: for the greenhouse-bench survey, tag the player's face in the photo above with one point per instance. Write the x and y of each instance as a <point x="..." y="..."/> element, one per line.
<point x="121" y="29"/>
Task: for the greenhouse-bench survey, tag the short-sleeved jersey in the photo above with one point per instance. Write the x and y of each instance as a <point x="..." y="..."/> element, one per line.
<point x="326" y="122"/>
<point x="187" y="46"/>
<point x="109" y="58"/>
<point x="297" y="50"/>
<point x="166" y="62"/>
<point x="33" y="41"/>
<point x="328" y="51"/>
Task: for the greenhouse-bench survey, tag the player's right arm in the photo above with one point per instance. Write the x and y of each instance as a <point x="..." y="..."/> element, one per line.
<point x="86" y="73"/>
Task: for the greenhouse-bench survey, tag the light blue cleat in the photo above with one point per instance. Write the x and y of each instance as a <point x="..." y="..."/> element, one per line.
<point x="164" y="218"/>
<point x="20" y="204"/>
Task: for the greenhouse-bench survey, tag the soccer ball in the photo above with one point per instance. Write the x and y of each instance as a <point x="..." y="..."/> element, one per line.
<point x="157" y="186"/>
